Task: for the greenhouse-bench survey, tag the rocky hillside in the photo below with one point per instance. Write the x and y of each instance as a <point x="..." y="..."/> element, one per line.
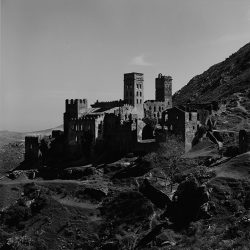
<point x="227" y="82"/>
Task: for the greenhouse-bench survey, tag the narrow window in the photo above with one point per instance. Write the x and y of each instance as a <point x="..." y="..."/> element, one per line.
<point x="136" y="93"/>
<point x="137" y="101"/>
<point x="140" y="94"/>
<point x="190" y="116"/>
<point x="140" y="101"/>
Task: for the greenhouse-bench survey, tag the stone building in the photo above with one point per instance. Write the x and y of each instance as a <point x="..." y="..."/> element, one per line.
<point x="42" y="150"/>
<point x="163" y="98"/>
<point x="120" y="135"/>
<point x="182" y="123"/>
<point x="84" y="126"/>
<point x="117" y="124"/>
<point x="83" y="131"/>
<point x="204" y="111"/>
<point x="134" y="92"/>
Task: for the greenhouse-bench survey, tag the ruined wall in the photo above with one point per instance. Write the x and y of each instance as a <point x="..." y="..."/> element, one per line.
<point x="229" y="138"/>
<point x="190" y="129"/>
<point x="31" y="148"/>
<point x="203" y="116"/>
<point x="120" y="135"/>
<point x="154" y="109"/>
<point x="182" y="123"/>
<point x="174" y="120"/>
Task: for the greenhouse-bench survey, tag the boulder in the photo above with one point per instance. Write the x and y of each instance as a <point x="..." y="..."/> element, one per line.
<point x="95" y="193"/>
<point x="187" y="202"/>
<point x="156" y="196"/>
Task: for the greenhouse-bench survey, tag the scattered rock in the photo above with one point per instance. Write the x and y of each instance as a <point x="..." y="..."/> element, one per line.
<point x="95" y="193"/>
<point x="138" y="169"/>
<point x="77" y="172"/>
<point x="157" y="197"/>
<point x="187" y="202"/>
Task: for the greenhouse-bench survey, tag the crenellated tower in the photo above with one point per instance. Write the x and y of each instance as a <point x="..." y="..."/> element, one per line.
<point x="163" y="89"/>
<point x="74" y="108"/>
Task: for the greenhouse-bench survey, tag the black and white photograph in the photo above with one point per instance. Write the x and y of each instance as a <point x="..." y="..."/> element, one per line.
<point x="125" y="125"/>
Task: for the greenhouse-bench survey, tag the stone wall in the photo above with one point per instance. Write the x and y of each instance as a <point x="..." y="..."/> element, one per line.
<point x="154" y="109"/>
<point x="120" y="135"/>
<point x="31" y="148"/>
<point x="244" y="141"/>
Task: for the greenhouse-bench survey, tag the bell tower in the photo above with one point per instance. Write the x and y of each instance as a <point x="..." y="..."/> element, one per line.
<point x="134" y="91"/>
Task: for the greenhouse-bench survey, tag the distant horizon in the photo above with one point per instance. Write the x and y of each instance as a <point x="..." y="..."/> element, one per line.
<point x="53" y="50"/>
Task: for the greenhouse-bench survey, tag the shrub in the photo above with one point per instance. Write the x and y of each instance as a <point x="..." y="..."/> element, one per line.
<point x="16" y="214"/>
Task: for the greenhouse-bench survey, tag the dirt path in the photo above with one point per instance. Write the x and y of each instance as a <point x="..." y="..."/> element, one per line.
<point x="70" y="202"/>
<point x="59" y="181"/>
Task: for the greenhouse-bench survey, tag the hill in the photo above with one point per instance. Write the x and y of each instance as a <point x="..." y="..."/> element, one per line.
<point x="227" y="82"/>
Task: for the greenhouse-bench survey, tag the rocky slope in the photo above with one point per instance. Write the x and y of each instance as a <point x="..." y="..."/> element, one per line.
<point x="227" y="82"/>
<point x="119" y="206"/>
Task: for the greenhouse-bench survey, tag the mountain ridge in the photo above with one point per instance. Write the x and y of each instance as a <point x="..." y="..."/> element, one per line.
<point x="228" y="83"/>
<point x="211" y="84"/>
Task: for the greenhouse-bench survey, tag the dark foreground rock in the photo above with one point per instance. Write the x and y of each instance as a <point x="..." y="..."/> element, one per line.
<point x="157" y="197"/>
<point x="187" y="202"/>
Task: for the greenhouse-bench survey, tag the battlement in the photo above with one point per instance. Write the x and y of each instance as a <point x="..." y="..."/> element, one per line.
<point x="108" y="104"/>
<point x="128" y="106"/>
<point x="76" y="101"/>
<point x="76" y="107"/>
<point x="87" y="117"/>
<point x="161" y="76"/>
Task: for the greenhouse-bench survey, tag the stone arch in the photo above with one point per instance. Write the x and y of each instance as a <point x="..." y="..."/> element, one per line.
<point x="147" y="132"/>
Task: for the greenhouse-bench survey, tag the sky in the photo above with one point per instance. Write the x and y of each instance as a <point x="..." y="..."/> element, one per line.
<point x="52" y="50"/>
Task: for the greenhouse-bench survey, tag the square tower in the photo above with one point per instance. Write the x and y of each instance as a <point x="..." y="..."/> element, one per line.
<point x="134" y="90"/>
<point x="163" y="89"/>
